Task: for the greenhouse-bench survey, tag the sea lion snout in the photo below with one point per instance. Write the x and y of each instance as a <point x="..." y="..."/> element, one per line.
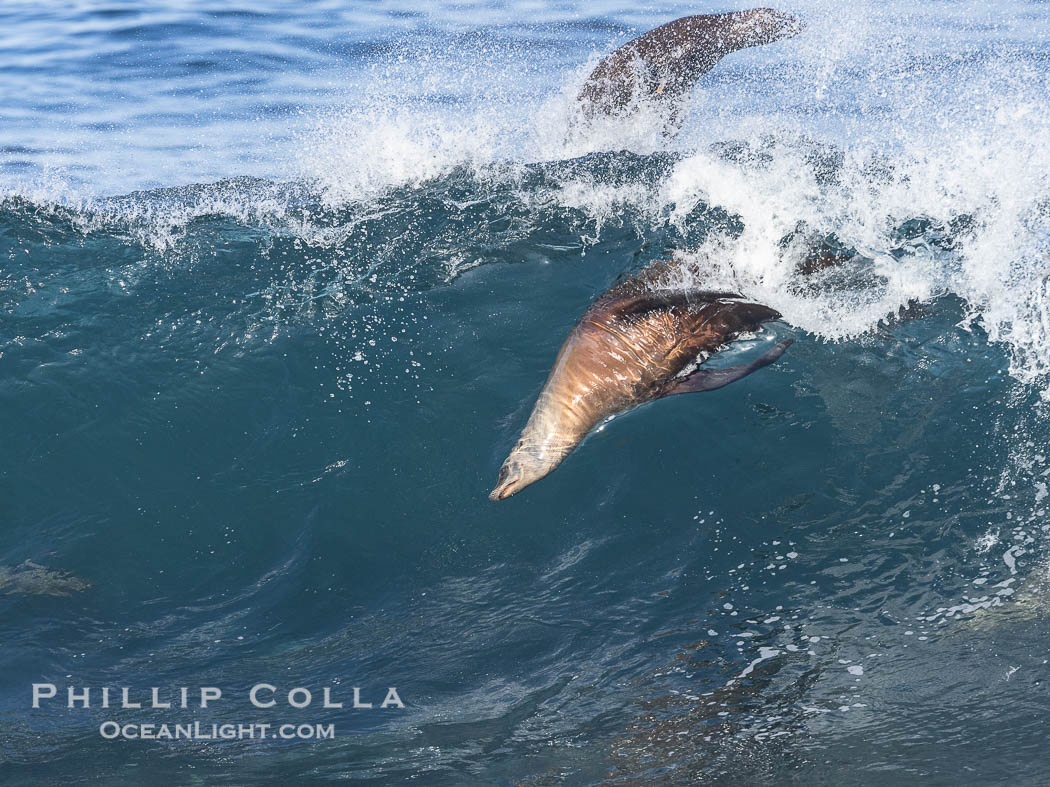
<point x="504" y="485"/>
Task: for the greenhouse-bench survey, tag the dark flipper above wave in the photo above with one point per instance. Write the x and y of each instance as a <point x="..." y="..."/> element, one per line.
<point x="668" y="60"/>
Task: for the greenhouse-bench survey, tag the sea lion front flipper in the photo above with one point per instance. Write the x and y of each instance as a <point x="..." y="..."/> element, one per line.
<point x="712" y="379"/>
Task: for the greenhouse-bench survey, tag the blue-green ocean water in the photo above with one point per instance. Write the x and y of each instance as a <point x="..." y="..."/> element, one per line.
<point x="280" y="282"/>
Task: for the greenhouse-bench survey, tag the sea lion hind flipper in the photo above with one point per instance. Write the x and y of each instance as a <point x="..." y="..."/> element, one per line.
<point x="712" y="379"/>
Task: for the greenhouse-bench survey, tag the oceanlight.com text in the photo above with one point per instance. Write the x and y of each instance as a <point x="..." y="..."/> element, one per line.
<point x="202" y="732"/>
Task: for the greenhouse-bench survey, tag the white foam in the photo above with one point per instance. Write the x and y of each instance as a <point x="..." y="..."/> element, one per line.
<point x="876" y="115"/>
<point x="928" y="123"/>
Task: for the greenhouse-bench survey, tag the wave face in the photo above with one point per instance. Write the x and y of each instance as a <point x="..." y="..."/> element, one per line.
<point x="278" y="289"/>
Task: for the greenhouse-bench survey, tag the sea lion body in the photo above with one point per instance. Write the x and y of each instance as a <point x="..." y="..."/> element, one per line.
<point x="666" y="62"/>
<point x="630" y="347"/>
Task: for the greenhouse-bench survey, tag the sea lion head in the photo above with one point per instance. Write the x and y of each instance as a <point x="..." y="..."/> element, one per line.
<point x="761" y="26"/>
<point x="528" y="463"/>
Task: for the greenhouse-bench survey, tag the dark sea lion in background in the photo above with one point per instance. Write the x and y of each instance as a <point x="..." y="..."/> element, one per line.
<point x="632" y="346"/>
<point x="33" y="579"/>
<point x="666" y="62"/>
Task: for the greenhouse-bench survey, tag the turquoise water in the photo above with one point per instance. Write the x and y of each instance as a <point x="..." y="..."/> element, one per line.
<point x="279" y="286"/>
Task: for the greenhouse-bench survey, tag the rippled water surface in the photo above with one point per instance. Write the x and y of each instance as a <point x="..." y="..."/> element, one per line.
<point x="279" y="284"/>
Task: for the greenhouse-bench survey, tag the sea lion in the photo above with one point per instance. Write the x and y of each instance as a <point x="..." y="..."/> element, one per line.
<point x="33" y="579"/>
<point x="666" y="62"/>
<point x="633" y="345"/>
